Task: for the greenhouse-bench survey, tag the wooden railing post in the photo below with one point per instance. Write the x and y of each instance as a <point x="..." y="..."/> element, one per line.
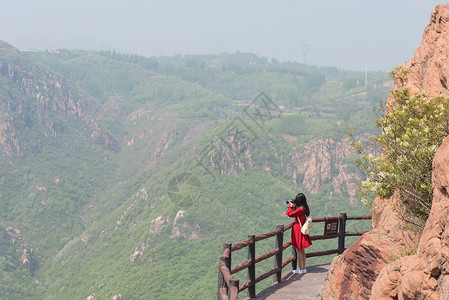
<point x="252" y="267"/>
<point x="295" y="260"/>
<point x="278" y="257"/>
<point x="228" y="246"/>
<point x="221" y="281"/>
<point x="233" y="289"/>
<point x="342" y="232"/>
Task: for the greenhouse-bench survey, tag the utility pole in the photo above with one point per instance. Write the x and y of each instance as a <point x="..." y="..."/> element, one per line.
<point x="366" y="74"/>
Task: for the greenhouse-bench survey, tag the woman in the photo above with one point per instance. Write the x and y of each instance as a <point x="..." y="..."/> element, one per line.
<point x="299" y="209"/>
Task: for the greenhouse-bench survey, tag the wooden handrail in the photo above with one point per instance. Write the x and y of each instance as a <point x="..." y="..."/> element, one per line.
<point x="286" y="245"/>
<point x="229" y="287"/>
<point x="258" y="259"/>
<point x="245" y="285"/>
<point x="288" y="260"/>
<point x="267" y="255"/>
<point x="267" y="235"/>
<point x="241" y="245"/>
<point x="267" y="274"/>
<point x="367" y="217"/>
<point x="322" y="253"/>
<point x="317" y="220"/>
<point x="324" y="237"/>
<point x="288" y="226"/>
<point x="240" y="267"/>
<point x="355" y="233"/>
<point x="230" y="282"/>
<point x="247" y="242"/>
<point x="225" y="272"/>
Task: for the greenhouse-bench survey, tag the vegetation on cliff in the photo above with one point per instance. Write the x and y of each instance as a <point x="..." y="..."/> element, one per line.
<point x="399" y="159"/>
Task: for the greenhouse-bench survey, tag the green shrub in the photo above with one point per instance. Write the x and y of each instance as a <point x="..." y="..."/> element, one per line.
<point x="399" y="159"/>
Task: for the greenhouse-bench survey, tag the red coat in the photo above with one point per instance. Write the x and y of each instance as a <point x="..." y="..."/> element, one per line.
<point x="298" y="239"/>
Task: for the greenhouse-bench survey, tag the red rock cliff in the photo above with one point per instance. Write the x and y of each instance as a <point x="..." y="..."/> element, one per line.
<point x="426" y="274"/>
<point x="429" y="68"/>
<point x="33" y="96"/>
<point x="376" y="267"/>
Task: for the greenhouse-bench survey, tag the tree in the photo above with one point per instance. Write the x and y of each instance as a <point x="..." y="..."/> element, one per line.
<point x="400" y="158"/>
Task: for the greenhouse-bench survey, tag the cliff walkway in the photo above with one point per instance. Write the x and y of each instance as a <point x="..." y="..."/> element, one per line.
<point x="287" y="285"/>
<point x="298" y="286"/>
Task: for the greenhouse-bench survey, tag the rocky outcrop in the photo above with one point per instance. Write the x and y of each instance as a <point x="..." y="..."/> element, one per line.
<point x="117" y="297"/>
<point x="33" y="96"/>
<point x="357" y="268"/>
<point x="230" y="154"/>
<point x="324" y="161"/>
<point x="24" y="252"/>
<point x="127" y="218"/>
<point x="429" y="68"/>
<point x="156" y="226"/>
<point x="158" y="223"/>
<point x="426" y="274"/>
<point x="137" y="252"/>
<point x="180" y="228"/>
<point x="183" y="228"/>
<point x="378" y="265"/>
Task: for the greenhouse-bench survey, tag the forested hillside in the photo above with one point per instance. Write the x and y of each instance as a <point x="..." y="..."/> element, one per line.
<point x="125" y="175"/>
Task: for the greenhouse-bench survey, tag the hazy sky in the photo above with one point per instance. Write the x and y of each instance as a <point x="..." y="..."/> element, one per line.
<point x="348" y="34"/>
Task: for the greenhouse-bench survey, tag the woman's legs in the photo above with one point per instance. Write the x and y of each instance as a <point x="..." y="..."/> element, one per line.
<point x="303" y="257"/>
<point x="300" y="259"/>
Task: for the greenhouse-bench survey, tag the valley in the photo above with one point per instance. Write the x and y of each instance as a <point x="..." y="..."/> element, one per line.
<point x="95" y="145"/>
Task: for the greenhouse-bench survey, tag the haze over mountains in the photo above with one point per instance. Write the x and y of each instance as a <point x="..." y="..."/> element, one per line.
<point x="91" y="141"/>
<point x="349" y="34"/>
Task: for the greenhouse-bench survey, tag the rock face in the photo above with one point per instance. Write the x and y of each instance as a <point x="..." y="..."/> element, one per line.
<point x="429" y="68"/>
<point x="183" y="228"/>
<point x="357" y="268"/>
<point x="323" y="161"/>
<point x="24" y="252"/>
<point x="377" y="265"/>
<point x="426" y="274"/>
<point x="35" y="97"/>
<point x="312" y="164"/>
<point x="158" y="223"/>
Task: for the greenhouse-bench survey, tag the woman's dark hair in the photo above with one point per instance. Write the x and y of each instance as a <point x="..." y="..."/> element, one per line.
<point x="301" y="201"/>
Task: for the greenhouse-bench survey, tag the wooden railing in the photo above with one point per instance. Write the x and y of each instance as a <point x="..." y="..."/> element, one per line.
<point x="229" y="288"/>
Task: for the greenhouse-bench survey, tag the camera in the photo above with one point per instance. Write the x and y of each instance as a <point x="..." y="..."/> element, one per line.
<point x="287" y="201"/>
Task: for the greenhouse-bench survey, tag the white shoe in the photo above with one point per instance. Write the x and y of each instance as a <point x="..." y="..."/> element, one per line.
<point x="296" y="271"/>
<point x="304" y="271"/>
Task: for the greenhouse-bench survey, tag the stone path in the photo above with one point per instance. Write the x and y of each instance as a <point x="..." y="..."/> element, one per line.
<point x="298" y="286"/>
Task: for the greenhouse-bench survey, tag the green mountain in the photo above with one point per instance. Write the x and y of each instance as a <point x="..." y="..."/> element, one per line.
<point x="125" y="175"/>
